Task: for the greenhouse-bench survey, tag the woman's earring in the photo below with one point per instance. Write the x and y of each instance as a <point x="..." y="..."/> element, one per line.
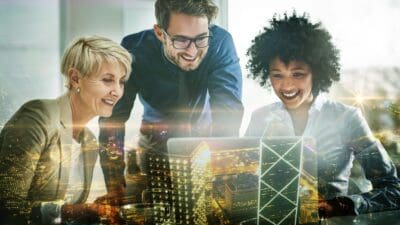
<point x="78" y="89"/>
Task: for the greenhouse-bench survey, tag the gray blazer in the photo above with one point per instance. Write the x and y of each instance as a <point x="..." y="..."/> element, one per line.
<point x="35" y="157"/>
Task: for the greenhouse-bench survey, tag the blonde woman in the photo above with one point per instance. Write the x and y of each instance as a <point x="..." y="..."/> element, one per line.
<point x="47" y="154"/>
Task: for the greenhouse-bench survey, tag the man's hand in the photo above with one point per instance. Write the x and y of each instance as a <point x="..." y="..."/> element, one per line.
<point x="339" y="206"/>
<point x="91" y="213"/>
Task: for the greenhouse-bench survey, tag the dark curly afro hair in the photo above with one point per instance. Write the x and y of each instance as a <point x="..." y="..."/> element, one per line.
<point x="295" y="38"/>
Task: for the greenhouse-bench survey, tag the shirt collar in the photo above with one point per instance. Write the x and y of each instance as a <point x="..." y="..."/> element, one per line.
<point x="318" y="103"/>
<point x="65" y="110"/>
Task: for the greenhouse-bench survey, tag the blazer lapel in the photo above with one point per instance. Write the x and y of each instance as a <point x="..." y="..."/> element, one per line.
<point x="65" y="140"/>
<point x="89" y="148"/>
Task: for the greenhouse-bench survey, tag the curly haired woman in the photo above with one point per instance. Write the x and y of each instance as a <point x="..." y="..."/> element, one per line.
<point x="298" y="59"/>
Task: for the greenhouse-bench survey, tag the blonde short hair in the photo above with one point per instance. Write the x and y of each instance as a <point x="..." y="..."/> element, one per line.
<point x="86" y="54"/>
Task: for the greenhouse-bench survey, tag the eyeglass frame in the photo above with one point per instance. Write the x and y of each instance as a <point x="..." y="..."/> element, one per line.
<point x="191" y="40"/>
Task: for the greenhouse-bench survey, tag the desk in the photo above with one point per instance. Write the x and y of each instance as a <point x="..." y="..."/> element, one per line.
<point x="380" y="218"/>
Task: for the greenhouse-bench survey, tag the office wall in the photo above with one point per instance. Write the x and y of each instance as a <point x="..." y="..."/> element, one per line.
<point x="29" y="53"/>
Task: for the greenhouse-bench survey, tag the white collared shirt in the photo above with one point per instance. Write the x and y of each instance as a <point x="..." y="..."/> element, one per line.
<point x="51" y="211"/>
<point x="341" y="134"/>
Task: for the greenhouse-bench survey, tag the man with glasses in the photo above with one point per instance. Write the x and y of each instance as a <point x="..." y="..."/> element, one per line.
<point x="187" y="75"/>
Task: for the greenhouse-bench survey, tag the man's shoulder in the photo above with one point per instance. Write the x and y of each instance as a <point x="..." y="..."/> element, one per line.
<point x="221" y="47"/>
<point x="218" y="33"/>
<point x="142" y="38"/>
<point x="215" y="29"/>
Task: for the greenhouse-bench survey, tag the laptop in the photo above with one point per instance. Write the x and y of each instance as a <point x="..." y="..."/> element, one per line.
<point x="237" y="179"/>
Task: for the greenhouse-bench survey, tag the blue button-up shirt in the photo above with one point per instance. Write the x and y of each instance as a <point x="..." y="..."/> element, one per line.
<point x="213" y="105"/>
<point x="341" y="134"/>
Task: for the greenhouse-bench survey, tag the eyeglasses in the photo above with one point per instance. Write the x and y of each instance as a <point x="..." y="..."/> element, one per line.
<point x="185" y="42"/>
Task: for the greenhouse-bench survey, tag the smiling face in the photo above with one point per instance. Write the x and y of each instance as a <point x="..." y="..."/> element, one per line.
<point x="99" y="92"/>
<point x="292" y="83"/>
<point x="182" y="26"/>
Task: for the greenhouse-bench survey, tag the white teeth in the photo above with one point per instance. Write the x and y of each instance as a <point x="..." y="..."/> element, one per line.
<point x="289" y="95"/>
<point x="110" y="102"/>
<point x="189" y="58"/>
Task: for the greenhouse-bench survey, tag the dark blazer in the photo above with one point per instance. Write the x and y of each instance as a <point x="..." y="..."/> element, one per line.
<point x="35" y="157"/>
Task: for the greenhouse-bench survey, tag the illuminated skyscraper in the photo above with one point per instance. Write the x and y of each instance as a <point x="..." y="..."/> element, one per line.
<point x="182" y="179"/>
<point x="288" y="182"/>
<point x="191" y="179"/>
<point x="199" y="175"/>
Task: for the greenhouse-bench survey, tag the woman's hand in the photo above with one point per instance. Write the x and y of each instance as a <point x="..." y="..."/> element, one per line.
<point x="339" y="206"/>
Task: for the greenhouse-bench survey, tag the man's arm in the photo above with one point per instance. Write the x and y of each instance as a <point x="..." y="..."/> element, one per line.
<point x="225" y="89"/>
<point x="112" y="137"/>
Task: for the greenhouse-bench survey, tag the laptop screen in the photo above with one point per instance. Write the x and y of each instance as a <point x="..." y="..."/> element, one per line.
<point x="222" y="178"/>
